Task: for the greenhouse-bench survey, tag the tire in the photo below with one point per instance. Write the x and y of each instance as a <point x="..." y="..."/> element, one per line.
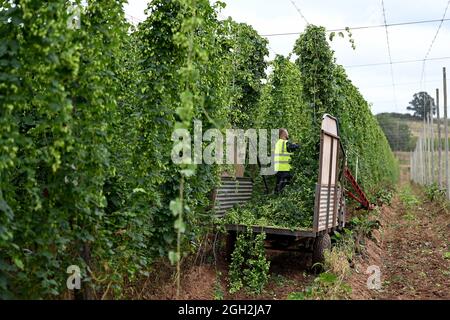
<point x="321" y="244"/>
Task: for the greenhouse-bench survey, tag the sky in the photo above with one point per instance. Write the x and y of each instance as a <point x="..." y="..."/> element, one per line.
<point x="387" y="89"/>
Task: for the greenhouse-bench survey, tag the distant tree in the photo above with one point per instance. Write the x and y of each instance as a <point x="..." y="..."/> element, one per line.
<point x="396" y="131"/>
<point x="422" y="104"/>
<point x="396" y="115"/>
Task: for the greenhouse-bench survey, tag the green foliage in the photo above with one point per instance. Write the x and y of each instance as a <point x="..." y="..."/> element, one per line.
<point x="346" y="241"/>
<point x="398" y="133"/>
<point x="437" y="195"/>
<point x="408" y="199"/>
<point x="434" y="193"/>
<point x="281" y="104"/>
<point x="363" y="138"/>
<point x="218" y="290"/>
<point x="410" y="203"/>
<point x="272" y="210"/>
<point x="326" y="286"/>
<point x="300" y="105"/>
<point x="363" y="225"/>
<point x="341" y="35"/>
<point x="384" y="195"/>
<point x="249" y="268"/>
<point x="59" y="90"/>
<point x="396" y="116"/>
<point x="247" y="56"/>
<point x="87" y="117"/>
<point x="316" y="63"/>
<point x="183" y="78"/>
<point x="422" y="105"/>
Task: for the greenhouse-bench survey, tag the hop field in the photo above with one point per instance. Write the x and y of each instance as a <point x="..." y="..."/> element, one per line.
<point x="87" y="116"/>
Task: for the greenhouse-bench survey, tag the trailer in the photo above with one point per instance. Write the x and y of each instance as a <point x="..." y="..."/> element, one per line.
<point x="329" y="208"/>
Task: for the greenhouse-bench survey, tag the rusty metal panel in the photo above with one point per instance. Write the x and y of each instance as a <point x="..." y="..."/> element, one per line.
<point x="232" y="192"/>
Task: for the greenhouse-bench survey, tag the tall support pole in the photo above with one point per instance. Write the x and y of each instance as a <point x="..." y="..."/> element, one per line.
<point x="439" y="140"/>
<point x="428" y="130"/>
<point x="433" y="172"/>
<point x="445" y="128"/>
<point x="418" y="160"/>
<point x="422" y="159"/>
<point x="425" y="147"/>
<point x="416" y="164"/>
<point x="415" y="170"/>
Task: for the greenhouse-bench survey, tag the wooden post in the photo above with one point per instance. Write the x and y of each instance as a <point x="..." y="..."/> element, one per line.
<point x="439" y="140"/>
<point x="420" y="160"/>
<point x="412" y="166"/>
<point x="445" y="128"/>
<point x="430" y="172"/>
<point x="433" y="172"/>
<point x="415" y="170"/>
<point x="425" y="146"/>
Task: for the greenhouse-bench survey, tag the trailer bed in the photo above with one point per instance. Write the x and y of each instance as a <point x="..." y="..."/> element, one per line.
<point x="300" y="233"/>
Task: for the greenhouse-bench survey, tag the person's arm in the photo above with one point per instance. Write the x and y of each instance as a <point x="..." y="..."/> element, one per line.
<point x="292" y="146"/>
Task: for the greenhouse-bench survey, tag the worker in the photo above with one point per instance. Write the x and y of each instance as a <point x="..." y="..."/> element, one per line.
<point x="282" y="158"/>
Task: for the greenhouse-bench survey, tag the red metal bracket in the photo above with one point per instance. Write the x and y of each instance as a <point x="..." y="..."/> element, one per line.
<point x="360" y="196"/>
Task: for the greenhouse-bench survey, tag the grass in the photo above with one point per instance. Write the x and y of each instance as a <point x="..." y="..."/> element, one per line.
<point x="408" y="199"/>
<point x="409" y="216"/>
<point x="280" y="280"/>
<point x="410" y="203"/>
<point x="218" y="289"/>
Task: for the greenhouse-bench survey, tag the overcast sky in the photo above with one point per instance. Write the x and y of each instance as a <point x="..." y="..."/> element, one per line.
<point x="407" y="42"/>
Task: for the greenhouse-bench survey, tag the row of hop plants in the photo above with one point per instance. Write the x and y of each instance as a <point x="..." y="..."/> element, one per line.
<point x="296" y="96"/>
<point x="86" y="118"/>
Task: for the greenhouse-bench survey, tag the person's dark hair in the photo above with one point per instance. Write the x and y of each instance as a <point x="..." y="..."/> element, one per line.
<point x="282" y="131"/>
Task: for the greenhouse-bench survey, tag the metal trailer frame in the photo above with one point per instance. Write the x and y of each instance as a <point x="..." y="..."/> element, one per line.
<point x="329" y="209"/>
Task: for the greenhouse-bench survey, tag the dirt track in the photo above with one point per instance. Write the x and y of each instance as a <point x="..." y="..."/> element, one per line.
<point x="414" y="245"/>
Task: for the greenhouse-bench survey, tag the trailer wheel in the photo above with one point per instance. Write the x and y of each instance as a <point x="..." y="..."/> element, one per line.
<point x="229" y="245"/>
<point x="321" y="244"/>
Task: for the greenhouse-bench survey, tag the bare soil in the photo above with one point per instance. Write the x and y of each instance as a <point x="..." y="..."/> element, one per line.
<point x="209" y="280"/>
<point x="410" y="253"/>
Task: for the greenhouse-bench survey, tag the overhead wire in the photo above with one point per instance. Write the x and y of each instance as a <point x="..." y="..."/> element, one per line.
<point x="385" y="25"/>
<point x="389" y="54"/>
<point x="360" y="27"/>
<point x="394" y="62"/>
<point x="299" y="11"/>
<point x="433" y="41"/>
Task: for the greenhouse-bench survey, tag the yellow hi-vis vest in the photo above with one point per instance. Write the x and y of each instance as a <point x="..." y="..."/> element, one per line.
<point x="282" y="157"/>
